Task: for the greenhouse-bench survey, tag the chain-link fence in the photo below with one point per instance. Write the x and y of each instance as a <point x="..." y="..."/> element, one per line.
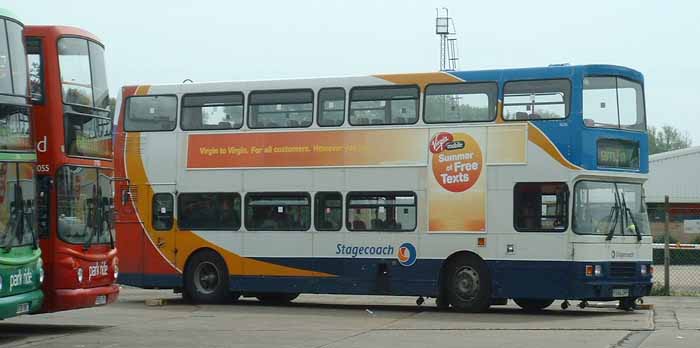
<point x="683" y="230"/>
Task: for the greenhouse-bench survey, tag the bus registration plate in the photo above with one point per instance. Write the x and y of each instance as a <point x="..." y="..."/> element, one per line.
<point x="23" y="308"/>
<point x="100" y="300"/>
<point x="621" y="292"/>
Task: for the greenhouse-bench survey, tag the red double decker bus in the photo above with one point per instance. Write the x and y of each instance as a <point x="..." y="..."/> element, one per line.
<point x="73" y="136"/>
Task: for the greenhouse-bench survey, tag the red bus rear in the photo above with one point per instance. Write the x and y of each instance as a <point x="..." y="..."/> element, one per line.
<point x="73" y="136"/>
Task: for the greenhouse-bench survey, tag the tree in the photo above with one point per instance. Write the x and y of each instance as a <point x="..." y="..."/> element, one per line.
<point x="667" y="138"/>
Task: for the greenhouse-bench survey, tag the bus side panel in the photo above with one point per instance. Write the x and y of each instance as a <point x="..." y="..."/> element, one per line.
<point x="531" y="279"/>
<point x="362" y="276"/>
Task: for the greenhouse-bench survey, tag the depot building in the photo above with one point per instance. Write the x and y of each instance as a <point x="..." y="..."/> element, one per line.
<point x="675" y="173"/>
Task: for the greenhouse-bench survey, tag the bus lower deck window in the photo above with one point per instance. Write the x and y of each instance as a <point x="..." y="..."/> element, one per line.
<point x="540" y="206"/>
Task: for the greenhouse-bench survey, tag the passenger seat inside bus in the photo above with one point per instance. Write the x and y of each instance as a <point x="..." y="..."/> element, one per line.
<point x="359" y="225"/>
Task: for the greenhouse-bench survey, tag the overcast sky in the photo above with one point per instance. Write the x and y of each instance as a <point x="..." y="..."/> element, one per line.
<point x="158" y="41"/>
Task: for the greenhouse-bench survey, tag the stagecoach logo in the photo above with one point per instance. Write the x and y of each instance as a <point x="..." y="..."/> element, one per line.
<point x="407" y="254"/>
<point x="98" y="269"/>
<point x="622" y="254"/>
<point x="21" y="277"/>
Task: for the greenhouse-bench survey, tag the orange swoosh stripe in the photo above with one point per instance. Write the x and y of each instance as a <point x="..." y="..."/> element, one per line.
<point x="187" y="241"/>
<point x="536" y="136"/>
<point x="420" y="79"/>
<point x="142" y="90"/>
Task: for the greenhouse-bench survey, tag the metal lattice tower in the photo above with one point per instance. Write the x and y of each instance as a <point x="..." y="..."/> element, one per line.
<point x="445" y="28"/>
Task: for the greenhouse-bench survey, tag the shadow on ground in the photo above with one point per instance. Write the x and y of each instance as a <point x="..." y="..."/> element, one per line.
<point x="251" y="303"/>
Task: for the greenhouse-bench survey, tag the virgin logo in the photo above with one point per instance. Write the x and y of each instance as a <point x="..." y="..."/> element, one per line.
<point x="437" y="144"/>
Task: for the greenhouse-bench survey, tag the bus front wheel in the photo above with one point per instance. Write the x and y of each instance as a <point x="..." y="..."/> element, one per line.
<point x="532" y="305"/>
<point x="468" y="284"/>
<point x="206" y="278"/>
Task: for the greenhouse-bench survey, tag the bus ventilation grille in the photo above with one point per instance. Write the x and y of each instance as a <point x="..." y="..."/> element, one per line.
<point x="623" y="269"/>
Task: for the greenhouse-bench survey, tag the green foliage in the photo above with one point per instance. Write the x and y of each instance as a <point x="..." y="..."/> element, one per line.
<point x="658" y="290"/>
<point x="667" y="138"/>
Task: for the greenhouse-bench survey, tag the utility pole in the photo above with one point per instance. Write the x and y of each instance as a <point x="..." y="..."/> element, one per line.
<point x="445" y="28"/>
<point x="667" y="252"/>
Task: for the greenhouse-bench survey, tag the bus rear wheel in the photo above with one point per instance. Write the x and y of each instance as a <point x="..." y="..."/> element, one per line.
<point x="468" y="284"/>
<point x="532" y="305"/>
<point x="276" y="298"/>
<point x="206" y="278"/>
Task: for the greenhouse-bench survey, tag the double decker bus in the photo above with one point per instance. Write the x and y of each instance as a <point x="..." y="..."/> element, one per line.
<point x="471" y="187"/>
<point x="21" y="272"/>
<point x="73" y="133"/>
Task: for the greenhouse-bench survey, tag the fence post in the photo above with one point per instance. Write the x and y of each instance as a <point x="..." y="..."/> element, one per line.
<point x="667" y="253"/>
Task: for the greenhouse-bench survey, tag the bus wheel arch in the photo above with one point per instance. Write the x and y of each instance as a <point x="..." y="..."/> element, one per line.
<point x="474" y="271"/>
<point x="205" y="277"/>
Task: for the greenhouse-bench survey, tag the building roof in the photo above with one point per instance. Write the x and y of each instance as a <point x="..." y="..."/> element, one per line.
<point x="674" y="154"/>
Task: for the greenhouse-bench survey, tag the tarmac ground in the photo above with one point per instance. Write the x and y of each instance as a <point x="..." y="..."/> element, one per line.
<point x="351" y="321"/>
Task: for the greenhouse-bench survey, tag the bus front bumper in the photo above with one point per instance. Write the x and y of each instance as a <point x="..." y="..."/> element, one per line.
<point x="26" y="303"/>
<point x="65" y="299"/>
<point x="612" y="290"/>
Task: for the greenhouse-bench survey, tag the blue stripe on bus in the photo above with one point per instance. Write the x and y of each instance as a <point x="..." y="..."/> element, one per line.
<point x="510" y="279"/>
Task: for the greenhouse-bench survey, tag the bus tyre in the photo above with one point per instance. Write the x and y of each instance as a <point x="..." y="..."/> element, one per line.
<point x="206" y="279"/>
<point x="468" y="284"/>
<point x="532" y="304"/>
<point x="276" y="298"/>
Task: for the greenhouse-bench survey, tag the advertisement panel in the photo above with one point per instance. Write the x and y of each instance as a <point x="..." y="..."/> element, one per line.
<point x="457" y="188"/>
<point x="381" y="147"/>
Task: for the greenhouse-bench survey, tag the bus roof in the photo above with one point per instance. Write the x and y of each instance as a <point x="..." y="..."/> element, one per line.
<point x="8" y="14"/>
<point x="57" y="31"/>
<point x="554" y="71"/>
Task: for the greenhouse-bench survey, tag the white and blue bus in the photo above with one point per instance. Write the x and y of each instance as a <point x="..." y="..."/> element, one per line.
<point x="472" y="187"/>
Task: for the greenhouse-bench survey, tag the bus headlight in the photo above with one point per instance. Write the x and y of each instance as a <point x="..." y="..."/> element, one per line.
<point x="594" y="270"/>
<point x="80" y="275"/>
<point x="644" y="270"/>
<point x="40" y="269"/>
<point x="115" y="267"/>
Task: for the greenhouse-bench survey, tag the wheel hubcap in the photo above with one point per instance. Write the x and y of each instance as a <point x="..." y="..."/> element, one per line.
<point x="206" y="278"/>
<point x="466" y="283"/>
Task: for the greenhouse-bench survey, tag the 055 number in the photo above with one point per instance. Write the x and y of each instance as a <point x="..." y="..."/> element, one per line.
<point x="42" y="168"/>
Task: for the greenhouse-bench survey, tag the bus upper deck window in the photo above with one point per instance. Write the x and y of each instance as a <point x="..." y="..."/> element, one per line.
<point x="536" y="100"/>
<point x="382" y="105"/>
<point x="151" y="113"/>
<point x="212" y="111"/>
<point x="331" y="107"/>
<point x="280" y="109"/>
<point x="460" y="102"/>
<point x="613" y="102"/>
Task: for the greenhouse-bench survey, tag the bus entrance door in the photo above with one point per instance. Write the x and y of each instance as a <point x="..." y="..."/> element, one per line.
<point x="126" y="219"/>
<point x="161" y="248"/>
